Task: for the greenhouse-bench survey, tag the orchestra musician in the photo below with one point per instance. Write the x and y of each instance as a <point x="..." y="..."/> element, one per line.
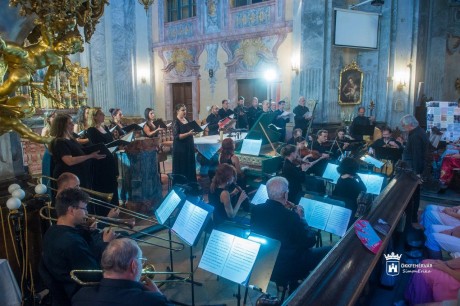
<point x="67" y="153"/>
<point x="281" y="119"/>
<point x="349" y="185"/>
<point x="67" y="247"/>
<point x="296" y="137"/>
<point x="360" y="121"/>
<point x="225" y="111"/>
<point x="254" y="112"/>
<point x="340" y="144"/>
<point x="387" y="141"/>
<point x="81" y="125"/>
<point x="213" y="120"/>
<point x="293" y="172"/>
<point x="220" y="196"/>
<point x="302" y="116"/>
<point x="227" y="156"/>
<point x="322" y="146"/>
<point x="297" y="255"/>
<point x="122" y="283"/>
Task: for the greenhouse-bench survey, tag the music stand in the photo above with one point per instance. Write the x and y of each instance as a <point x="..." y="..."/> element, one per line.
<point x="246" y="261"/>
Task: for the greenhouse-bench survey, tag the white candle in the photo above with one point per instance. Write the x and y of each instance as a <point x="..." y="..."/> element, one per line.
<point x="68" y="84"/>
<point x="58" y="82"/>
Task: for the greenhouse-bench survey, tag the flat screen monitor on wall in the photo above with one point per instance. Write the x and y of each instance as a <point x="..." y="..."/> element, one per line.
<point x="356" y="29"/>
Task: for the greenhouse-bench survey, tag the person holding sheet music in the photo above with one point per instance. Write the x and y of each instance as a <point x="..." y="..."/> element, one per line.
<point x="220" y="197"/>
<point x="293" y="172"/>
<point x="281" y="119"/>
<point x="241" y="114"/>
<point x="254" y="112"/>
<point x="67" y="153"/>
<point x="225" y="111"/>
<point x="150" y="129"/>
<point x="115" y="123"/>
<point x="105" y="172"/>
<point x="302" y="116"/>
<point x="183" y="152"/>
<point x="296" y="257"/>
<point x="349" y="185"/>
<point x="213" y="120"/>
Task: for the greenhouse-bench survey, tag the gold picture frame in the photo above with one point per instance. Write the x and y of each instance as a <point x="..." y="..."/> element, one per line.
<point x="350" y="85"/>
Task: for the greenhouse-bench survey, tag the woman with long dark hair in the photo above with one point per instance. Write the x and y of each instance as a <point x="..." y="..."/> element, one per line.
<point x="219" y="195"/>
<point x="67" y="153"/>
<point x="183" y="152"/>
<point x="150" y="130"/>
<point x="116" y="123"/>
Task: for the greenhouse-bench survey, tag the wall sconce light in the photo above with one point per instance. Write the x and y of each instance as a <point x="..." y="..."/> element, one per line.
<point x="402" y="76"/>
<point x="143" y="80"/>
<point x="295" y="65"/>
<point x="401" y="85"/>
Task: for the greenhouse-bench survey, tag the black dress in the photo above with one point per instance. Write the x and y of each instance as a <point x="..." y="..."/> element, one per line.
<point x="295" y="177"/>
<point x="65" y="147"/>
<point x="183" y="152"/>
<point x="348" y="190"/>
<point x="219" y="214"/>
<point x="105" y="171"/>
<point x="213" y="124"/>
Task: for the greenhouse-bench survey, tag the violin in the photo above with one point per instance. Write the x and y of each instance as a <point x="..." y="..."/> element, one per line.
<point x="304" y="151"/>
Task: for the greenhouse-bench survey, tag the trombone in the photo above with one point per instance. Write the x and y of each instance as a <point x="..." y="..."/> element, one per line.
<point x="45" y="213"/>
<point x="148" y="270"/>
<point x="106" y="203"/>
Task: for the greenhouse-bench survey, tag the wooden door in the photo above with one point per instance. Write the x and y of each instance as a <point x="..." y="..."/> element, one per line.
<point x="182" y="94"/>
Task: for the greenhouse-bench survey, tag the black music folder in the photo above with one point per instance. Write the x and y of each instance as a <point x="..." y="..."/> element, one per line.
<point x="102" y="148"/>
<point x="159" y="123"/>
<point x="132" y="127"/>
<point x="192" y="125"/>
<point x="388" y="153"/>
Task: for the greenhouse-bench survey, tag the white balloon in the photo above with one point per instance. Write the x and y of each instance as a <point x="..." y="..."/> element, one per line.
<point x="13" y="203"/>
<point x="40" y="189"/>
<point x="13" y="187"/>
<point x="19" y="193"/>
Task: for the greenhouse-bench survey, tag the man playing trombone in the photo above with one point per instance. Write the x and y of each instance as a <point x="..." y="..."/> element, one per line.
<point x="67" y="247"/>
<point x="122" y="282"/>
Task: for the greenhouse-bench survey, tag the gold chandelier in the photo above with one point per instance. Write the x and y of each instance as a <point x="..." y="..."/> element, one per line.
<point x="146" y="4"/>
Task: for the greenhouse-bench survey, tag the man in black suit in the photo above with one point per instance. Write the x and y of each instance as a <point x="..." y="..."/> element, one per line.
<point x="285" y="222"/>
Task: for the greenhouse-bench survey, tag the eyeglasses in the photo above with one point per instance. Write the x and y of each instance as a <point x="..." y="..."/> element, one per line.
<point x="143" y="260"/>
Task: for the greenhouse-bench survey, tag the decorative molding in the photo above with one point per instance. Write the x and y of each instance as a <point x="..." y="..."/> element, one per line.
<point x="178" y="30"/>
<point x="212" y="63"/>
<point x="253" y="17"/>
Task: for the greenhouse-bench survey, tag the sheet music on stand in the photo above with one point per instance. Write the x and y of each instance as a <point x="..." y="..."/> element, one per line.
<point x="261" y="195"/>
<point x="169" y="204"/>
<point x="251" y="147"/>
<point x="191" y="220"/>
<point x="247" y="262"/>
<point x="326" y="216"/>
<point x="373" y="161"/>
<point x="330" y="173"/>
<point x="373" y="182"/>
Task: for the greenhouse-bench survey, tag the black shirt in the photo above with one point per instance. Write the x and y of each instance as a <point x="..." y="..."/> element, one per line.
<point x="295" y="177"/>
<point x="118" y="292"/>
<point x="225" y="113"/>
<point x="213" y="125"/>
<point x="416" y="151"/>
<point x="357" y="122"/>
<point x="299" y="121"/>
<point x="241" y="117"/>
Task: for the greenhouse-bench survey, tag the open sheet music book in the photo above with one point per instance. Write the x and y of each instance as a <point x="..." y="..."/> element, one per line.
<point x="169" y="204"/>
<point x="326" y="217"/>
<point x="261" y="195"/>
<point x="285" y="114"/>
<point x="373" y="161"/>
<point x="123" y="141"/>
<point x="251" y="147"/>
<point x="132" y="127"/>
<point x="373" y="182"/>
<point x="223" y="123"/>
<point x="229" y="256"/>
<point x="159" y="123"/>
<point x="192" y="125"/>
<point x="191" y="220"/>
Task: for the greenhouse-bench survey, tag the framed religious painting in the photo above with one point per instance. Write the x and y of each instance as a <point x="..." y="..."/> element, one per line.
<point x="350" y="85"/>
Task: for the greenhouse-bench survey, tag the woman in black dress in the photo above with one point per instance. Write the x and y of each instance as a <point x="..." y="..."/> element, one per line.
<point x="219" y="195"/>
<point x="349" y="185"/>
<point x="183" y="153"/>
<point x="116" y="123"/>
<point x="105" y="172"/>
<point x="293" y="172"/>
<point x="150" y="130"/>
<point x="67" y="153"/>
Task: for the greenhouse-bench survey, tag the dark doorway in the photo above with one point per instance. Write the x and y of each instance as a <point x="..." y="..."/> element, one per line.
<point x="182" y="93"/>
<point x="249" y="88"/>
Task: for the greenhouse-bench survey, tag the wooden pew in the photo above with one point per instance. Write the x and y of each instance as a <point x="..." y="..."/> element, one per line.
<point x="344" y="272"/>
